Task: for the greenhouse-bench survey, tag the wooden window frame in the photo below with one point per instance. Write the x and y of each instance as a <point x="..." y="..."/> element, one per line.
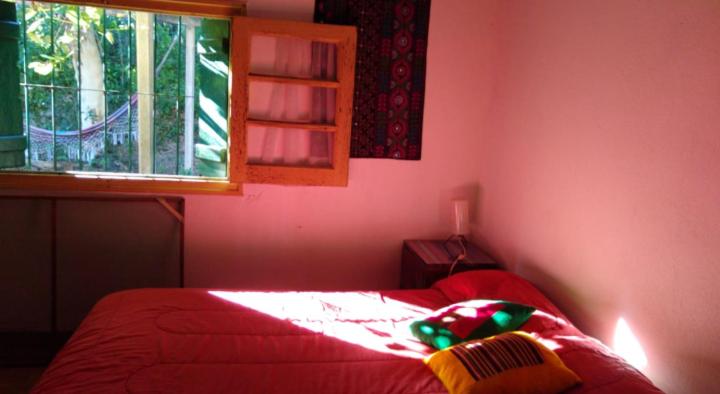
<point x="208" y="8"/>
<point x="344" y="39"/>
<point x="238" y="169"/>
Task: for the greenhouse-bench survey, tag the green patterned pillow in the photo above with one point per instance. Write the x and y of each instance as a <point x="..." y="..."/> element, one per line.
<point x="474" y="319"/>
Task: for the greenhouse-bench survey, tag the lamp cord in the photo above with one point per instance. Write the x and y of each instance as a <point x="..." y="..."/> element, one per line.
<point x="463" y="254"/>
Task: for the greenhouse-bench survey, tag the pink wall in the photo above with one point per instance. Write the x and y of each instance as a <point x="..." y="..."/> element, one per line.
<point x="587" y="131"/>
<point x="334" y="238"/>
<point x="599" y="168"/>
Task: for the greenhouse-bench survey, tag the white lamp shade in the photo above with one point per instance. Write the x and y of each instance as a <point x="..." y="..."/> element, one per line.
<point x="460" y="216"/>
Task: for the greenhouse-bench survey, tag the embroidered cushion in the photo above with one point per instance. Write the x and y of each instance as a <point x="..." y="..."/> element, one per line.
<point x="512" y="362"/>
<point x="467" y="320"/>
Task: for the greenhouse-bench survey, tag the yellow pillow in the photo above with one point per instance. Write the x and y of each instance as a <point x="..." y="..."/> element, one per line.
<point x="512" y="362"/>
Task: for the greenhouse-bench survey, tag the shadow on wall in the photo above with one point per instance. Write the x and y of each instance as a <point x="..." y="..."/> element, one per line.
<point x="472" y="193"/>
<point x="566" y="297"/>
<point x="698" y="367"/>
<point x="365" y="262"/>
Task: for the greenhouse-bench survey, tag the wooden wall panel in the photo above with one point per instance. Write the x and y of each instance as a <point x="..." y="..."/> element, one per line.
<point x="105" y="247"/>
<point x="25" y="256"/>
<point x="101" y="245"/>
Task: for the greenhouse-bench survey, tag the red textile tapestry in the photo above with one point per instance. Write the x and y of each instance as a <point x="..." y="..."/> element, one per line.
<point x="389" y="73"/>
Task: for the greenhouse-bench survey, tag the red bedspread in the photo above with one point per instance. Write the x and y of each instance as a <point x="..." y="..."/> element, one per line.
<point x="205" y="341"/>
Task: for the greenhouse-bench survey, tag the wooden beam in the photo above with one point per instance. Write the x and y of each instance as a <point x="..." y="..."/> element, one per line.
<point x="189" y="141"/>
<point x="170" y="209"/>
<point x="237" y="133"/>
<point x="316" y="83"/>
<point x="328" y="128"/>
<point x="145" y="45"/>
<point x="211" y="8"/>
<point x="113" y="182"/>
<point x="287" y="175"/>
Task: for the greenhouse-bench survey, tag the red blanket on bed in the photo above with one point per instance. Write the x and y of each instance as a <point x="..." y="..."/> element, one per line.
<point x="206" y="341"/>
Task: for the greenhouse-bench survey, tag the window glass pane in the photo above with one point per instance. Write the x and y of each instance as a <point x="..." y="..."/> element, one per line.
<point x="118" y="47"/>
<point x="67" y="148"/>
<point x="41" y="148"/>
<point x="292" y="57"/>
<point x="212" y="98"/>
<point x="65" y="52"/>
<point x="121" y="134"/>
<point x="168" y="134"/>
<point x="38" y="39"/>
<point x="291" y="102"/>
<point x="291" y="147"/>
<point x="87" y="67"/>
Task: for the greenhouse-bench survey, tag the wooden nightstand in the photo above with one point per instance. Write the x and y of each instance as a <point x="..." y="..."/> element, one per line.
<point x="426" y="261"/>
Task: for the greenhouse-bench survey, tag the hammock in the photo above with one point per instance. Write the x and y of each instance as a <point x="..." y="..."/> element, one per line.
<point x="92" y="137"/>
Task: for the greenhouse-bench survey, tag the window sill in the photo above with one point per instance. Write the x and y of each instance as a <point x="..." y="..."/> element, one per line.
<point x="106" y="182"/>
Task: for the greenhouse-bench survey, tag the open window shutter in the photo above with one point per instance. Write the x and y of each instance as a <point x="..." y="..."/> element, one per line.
<point x="333" y="127"/>
<point x="213" y="49"/>
<point x="12" y="140"/>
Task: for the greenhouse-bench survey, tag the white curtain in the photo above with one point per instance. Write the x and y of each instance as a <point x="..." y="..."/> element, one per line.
<point x="294" y="103"/>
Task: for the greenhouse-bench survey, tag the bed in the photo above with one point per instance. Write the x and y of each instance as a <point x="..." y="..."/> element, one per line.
<point x="226" y="341"/>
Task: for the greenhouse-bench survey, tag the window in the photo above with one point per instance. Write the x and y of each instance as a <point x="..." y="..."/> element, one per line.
<point x="128" y="99"/>
<point x="298" y="81"/>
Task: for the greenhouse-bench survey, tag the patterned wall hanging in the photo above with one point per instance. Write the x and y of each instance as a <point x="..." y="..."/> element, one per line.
<point x="390" y="73"/>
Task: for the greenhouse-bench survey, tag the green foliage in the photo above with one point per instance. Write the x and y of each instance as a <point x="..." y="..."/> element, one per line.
<point x="49" y="58"/>
<point x="50" y="48"/>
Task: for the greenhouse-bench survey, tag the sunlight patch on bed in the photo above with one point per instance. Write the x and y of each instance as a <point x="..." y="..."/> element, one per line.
<point x="365" y="319"/>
